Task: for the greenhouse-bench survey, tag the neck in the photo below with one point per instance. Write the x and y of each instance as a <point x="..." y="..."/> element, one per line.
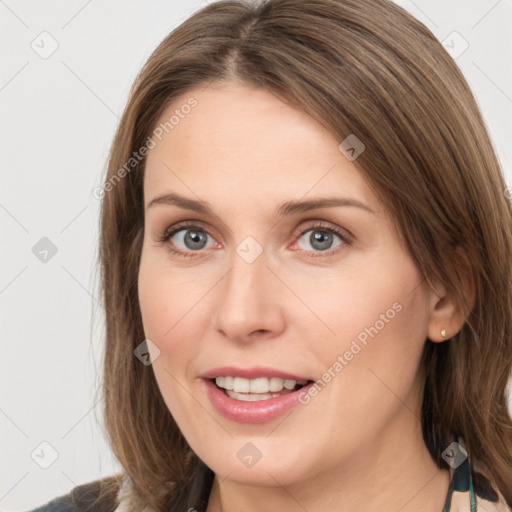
<point x="393" y="471"/>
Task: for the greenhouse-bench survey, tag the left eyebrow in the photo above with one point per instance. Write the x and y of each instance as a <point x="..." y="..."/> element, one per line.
<point x="291" y="207"/>
<point x="288" y="208"/>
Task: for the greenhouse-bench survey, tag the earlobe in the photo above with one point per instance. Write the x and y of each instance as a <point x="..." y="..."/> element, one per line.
<point x="445" y="320"/>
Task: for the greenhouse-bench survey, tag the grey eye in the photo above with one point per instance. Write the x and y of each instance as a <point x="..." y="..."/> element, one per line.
<point x="192" y="239"/>
<point x="320" y="239"/>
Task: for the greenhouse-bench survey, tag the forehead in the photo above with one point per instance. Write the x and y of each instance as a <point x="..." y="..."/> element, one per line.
<point x="245" y="140"/>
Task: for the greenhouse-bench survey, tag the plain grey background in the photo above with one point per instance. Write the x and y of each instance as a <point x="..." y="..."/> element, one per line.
<point x="65" y="76"/>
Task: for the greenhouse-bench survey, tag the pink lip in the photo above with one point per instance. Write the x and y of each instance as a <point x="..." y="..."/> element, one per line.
<point x="260" y="411"/>
<point x="251" y="373"/>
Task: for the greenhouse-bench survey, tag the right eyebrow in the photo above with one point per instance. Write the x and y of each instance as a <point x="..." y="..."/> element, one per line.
<point x="182" y="202"/>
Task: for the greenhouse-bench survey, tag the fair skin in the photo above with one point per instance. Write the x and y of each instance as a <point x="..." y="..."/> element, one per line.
<point x="357" y="442"/>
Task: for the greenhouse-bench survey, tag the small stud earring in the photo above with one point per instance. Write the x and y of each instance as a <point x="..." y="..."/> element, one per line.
<point x="443" y="333"/>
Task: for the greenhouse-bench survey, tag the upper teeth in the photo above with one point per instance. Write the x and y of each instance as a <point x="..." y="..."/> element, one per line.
<point x="259" y="385"/>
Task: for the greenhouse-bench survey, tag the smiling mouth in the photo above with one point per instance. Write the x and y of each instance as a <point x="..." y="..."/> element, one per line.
<point x="252" y="390"/>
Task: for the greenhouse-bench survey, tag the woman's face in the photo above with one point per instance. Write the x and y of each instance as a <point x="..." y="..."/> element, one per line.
<point x="257" y="283"/>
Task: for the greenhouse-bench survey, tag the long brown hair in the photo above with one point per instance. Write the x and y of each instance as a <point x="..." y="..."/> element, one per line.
<point x="367" y="69"/>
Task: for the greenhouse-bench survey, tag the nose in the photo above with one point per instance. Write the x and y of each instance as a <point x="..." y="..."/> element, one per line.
<point x="249" y="300"/>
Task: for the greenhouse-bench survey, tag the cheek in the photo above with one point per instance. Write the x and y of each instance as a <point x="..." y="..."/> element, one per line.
<point x="164" y="304"/>
<point x="381" y="326"/>
<point x="371" y="370"/>
<point x="376" y="311"/>
<point x="376" y="302"/>
<point x="174" y="316"/>
<point x="167" y="297"/>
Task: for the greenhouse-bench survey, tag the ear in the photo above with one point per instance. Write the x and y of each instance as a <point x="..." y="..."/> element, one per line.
<point x="443" y="311"/>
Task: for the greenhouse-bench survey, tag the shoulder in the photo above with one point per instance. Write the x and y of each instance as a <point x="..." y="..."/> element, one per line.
<point x="96" y="496"/>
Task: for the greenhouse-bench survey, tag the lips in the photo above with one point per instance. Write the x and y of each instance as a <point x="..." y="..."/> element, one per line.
<point x="252" y="407"/>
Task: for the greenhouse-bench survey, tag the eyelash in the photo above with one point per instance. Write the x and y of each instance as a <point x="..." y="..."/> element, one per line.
<point x="319" y="226"/>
